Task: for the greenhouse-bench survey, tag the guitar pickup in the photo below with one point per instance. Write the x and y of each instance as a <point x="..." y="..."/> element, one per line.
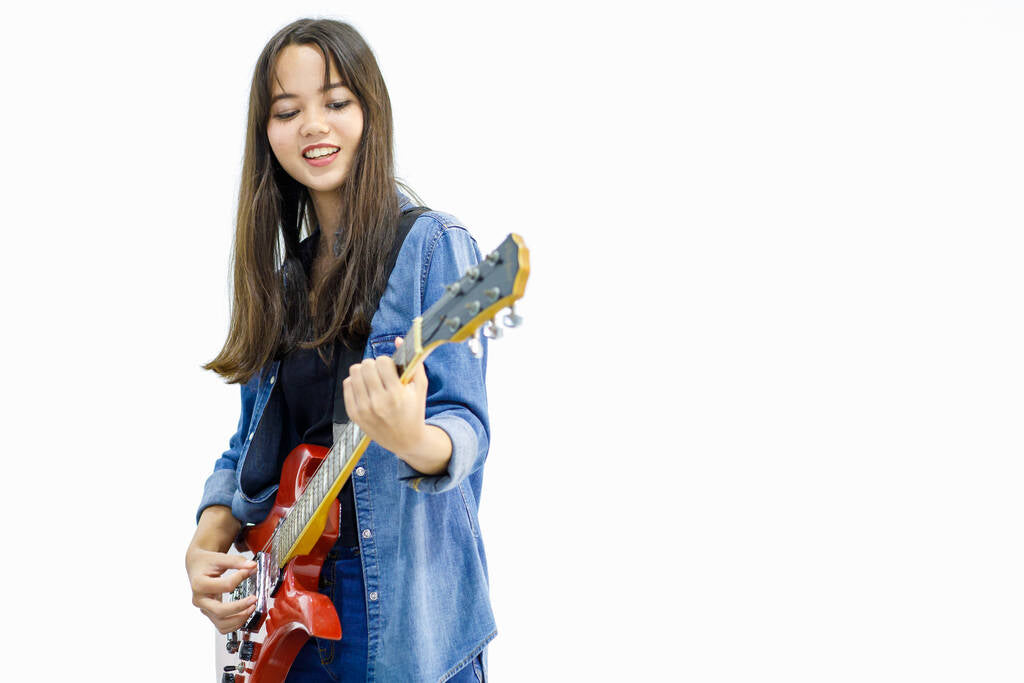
<point x="263" y="585"/>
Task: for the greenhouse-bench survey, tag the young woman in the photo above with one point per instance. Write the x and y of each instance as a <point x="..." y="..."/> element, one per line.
<point x="317" y="217"/>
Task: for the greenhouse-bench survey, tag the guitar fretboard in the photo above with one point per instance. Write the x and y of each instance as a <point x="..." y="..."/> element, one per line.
<point x="327" y="479"/>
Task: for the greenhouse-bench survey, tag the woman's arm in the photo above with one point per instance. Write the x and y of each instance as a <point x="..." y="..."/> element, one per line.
<point x="437" y="424"/>
<point x="220" y="486"/>
<point x="207" y="558"/>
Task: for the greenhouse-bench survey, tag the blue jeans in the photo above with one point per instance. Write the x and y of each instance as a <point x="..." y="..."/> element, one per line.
<point x="344" y="661"/>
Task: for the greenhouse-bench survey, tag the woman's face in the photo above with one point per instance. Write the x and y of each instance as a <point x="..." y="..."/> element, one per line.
<point x="305" y="120"/>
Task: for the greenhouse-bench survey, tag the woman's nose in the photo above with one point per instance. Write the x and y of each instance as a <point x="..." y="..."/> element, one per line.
<point x="315" y="124"/>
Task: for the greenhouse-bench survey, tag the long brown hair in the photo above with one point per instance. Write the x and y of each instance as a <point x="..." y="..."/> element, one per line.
<point x="272" y="310"/>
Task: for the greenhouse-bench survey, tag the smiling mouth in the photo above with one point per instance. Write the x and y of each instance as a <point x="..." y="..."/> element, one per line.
<point x="321" y="152"/>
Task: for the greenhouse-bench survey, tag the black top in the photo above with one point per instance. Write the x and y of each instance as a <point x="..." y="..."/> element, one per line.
<point x="308" y="383"/>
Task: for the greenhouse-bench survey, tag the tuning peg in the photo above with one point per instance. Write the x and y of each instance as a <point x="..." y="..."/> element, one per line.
<point x="512" y="319"/>
<point x="492" y="330"/>
<point x="476" y="347"/>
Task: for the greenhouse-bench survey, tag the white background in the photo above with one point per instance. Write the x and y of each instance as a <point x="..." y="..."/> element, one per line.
<point x="762" y="422"/>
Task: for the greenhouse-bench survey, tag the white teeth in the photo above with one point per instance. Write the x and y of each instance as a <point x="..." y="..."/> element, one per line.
<point x="320" y="152"/>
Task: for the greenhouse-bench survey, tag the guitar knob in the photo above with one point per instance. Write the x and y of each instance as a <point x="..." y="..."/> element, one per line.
<point x="232" y="644"/>
<point x="247" y="651"/>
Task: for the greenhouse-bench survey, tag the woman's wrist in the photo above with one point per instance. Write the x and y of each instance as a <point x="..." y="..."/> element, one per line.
<point x="429" y="450"/>
<point x="217" y="529"/>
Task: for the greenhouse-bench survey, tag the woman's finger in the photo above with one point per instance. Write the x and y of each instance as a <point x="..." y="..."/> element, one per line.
<point x="389" y="374"/>
<point x="358" y="387"/>
<point x="419" y="380"/>
<point x="220" y="584"/>
<point x="349" y="399"/>
<point x="207" y="563"/>
<point x="229" y="625"/>
<point x="214" y="608"/>
<point x="230" y="561"/>
<point x="372" y="380"/>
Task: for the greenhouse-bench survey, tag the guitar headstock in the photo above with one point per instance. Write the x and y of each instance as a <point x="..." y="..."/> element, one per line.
<point x="471" y="304"/>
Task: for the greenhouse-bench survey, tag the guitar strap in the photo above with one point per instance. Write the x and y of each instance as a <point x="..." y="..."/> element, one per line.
<point x="348" y="357"/>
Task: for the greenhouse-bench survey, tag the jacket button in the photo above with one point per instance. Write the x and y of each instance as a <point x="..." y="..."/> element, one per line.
<point x="273" y="378"/>
<point x="373" y="596"/>
<point x="366" y="533"/>
<point x="360" y="471"/>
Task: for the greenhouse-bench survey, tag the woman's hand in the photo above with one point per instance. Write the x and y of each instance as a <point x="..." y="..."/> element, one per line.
<point x="206" y="576"/>
<point x="392" y="413"/>
<point x="206" y="565"/>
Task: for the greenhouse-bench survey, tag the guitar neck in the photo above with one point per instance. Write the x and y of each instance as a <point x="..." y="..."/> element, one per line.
<point x="302" y="526"/>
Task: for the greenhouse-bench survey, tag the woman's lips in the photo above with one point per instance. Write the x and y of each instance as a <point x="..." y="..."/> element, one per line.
<point x="322" y="161"/>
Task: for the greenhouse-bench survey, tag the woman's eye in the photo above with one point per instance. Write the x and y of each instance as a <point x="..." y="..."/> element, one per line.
<point x="337" y="106"/>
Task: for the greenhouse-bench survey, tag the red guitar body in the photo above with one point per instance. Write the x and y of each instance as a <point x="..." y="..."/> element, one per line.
<point x="299" y="610"/>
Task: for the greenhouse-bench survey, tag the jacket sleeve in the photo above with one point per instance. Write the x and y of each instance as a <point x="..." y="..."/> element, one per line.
<point x="222" y="483"/>
<point x="456" y="395"/>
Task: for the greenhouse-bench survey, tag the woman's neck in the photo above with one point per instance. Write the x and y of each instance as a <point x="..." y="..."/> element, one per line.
<point x="328" y="213"/>
<point x="328" y="216"/>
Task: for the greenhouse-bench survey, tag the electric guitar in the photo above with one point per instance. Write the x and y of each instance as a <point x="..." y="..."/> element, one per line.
<point x="290" y="545"/>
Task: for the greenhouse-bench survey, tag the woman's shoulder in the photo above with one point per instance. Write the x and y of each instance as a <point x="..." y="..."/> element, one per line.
<point x="431" y="222"/>
<point x="433" y="229"/>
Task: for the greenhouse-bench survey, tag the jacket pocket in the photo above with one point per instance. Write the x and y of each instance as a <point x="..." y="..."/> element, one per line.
<point x="469" y="501"/>
<point x="382" y="346"/>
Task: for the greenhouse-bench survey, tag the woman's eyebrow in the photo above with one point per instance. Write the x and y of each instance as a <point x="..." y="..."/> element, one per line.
<point x="329" y="86"/>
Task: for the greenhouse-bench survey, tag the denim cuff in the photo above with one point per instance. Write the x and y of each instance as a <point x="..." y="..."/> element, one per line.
<point x="219" y="490"/>
<point x="462" y="462"/>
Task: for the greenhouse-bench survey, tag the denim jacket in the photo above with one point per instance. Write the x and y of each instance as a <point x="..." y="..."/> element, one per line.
<point x="424" y="569"/>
